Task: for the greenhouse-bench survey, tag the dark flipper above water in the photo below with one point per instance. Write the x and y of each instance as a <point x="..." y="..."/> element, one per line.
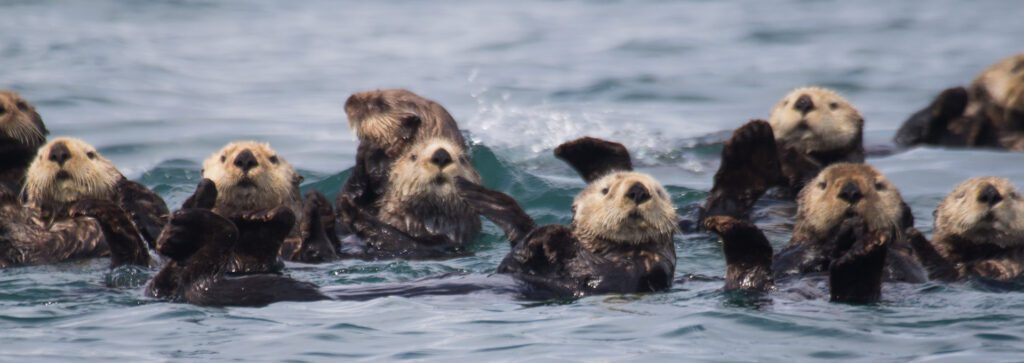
<point x="930" y="125"/>
<point x="497" y="207"/>
<point x="204" y="197"/>
<point x="750" y="166"/>
<point x="593" y="158"/>
<point x="938" y="267"/>
<point x="855" y="274"/>
<point x="748" y="254"/>
<point x="147" y="210"/>
<point x="261" y="235"/>
<point x="316" y="245"/>
<point x="123" y="239"/>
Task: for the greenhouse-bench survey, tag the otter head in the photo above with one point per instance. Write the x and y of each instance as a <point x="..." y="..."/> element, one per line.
<point x="395" y="118"/>
<point x="427" y="171"/>
<point x="983" y="210"/>
<point x="812" y="119"/>
<point x="20" y="121"/>
<point x="624" y="208"/>
<point x="1002" y="84"/>
<point x="66" y="170"/>
<point x="250" y="176"/>
<point x="844" y="190"/>
<point x="618" y="206"/>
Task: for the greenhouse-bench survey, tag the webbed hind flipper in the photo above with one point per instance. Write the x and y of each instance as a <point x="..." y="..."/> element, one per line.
<point x="316" y="245"/>
<point x="497" y="207"/>
<point x="146" y="208"/>
<point x="938" y="267"/>
<point x="930" y="125"/>
<point x="750" y="165"/>
<point x="260" y="237"/>
<point x="748" y="254"/>
<point x="204" y="197"/>
<point x="123" y="239"/>
<point x="855" y="275"/>
<point x="542" y="252"/>
<point x="592" y="158"/>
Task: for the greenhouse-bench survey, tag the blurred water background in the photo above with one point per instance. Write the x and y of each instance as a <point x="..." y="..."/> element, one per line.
<point x="159" y="85"/>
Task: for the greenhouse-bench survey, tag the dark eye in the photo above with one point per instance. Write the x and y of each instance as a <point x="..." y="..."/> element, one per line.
<point x="879" y="186"/>
<point x="91" y="154"/>
<point x="833" y="105"/>
<point x="22" y="106"/>
<point x="223" y="158"/>
<point x="412" y="157"/>
<point x="822" y="185"/>
<point x="604" y="191"/>
<point x="273" y="159"/>
<point x="2" y="110"/>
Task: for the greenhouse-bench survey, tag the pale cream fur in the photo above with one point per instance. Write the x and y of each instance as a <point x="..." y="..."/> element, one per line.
<point x="833" y="123"/>
<point x="602" y="211"/>
<point x="962" y="214"/>
<point x="90" y="176"/>
<point x="272" y="183"/>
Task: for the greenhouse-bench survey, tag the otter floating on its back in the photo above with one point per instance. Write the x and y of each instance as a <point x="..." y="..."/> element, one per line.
<point x="22" y="132"/>
<point x="620" y="239"/>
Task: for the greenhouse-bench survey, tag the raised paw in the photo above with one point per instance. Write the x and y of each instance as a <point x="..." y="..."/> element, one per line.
<point x="96" y="208"/>
<point x="282" y="216"/>
<point x="927" y="125"/>
<point x="752" y="151"/>
<point x="204" y="197"/>
<point x="719" y="224"/>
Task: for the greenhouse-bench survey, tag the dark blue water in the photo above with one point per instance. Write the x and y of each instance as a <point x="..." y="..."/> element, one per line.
<point x="158" y="85"/>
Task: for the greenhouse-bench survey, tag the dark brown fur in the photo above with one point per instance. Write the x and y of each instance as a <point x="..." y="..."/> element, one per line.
<point x="18" y="152"/>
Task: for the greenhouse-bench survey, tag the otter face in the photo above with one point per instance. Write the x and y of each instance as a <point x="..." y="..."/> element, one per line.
<point x="382" y="116"/>
<point x="624" y="207"/>
<point x="428" y="170"/>
<point x="984" y="209"/>
<point x="812" y="119"/>
<point x="250" y="176"/>
<point x="845" y="189"/>
<point x="66" y="170"/>
<point x="19" y="120"/>
<point x="1003" y="82"/>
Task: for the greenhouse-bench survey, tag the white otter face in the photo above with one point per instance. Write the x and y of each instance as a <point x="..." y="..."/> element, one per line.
<point x="845" y="189"/>
<point x="67" y="170"/>
<point x="428" y="171"/>
<point x="624" y="207"/>
<point x="983" y="209"/>
<point x="812" y="119"/>
<point x="250" y="176"/>
<point x="19" y="120"/>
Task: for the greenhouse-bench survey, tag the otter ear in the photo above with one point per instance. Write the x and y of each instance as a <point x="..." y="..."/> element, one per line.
<point x="592" y="158"/>
<point x="410" y="124"/>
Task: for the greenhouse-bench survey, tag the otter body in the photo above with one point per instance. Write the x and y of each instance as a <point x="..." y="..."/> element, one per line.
<point x="851" y="223"/>
<point x="22" y="132"/>
<point x="988" y="113"/>
<point x="387" y="122"/>
<point x="200" y="243"/>
<point x="979" y="231"/>
<point x="76" y="203"/>
<point x="620" y="240"/>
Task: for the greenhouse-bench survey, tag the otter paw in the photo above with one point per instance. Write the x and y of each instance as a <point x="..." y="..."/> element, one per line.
<point x="752" y="150"/>
<point x="204" y="197"/>
<point x="93" y="208"/>
<point x="719" y="224"/>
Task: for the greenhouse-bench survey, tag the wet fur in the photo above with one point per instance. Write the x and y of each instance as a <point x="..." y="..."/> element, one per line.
<point x="22" y="132"/>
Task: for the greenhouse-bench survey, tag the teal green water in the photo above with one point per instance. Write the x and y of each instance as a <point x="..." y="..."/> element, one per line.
<point x="159" y="85"/>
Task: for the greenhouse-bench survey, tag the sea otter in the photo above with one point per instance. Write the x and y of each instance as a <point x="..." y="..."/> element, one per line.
<point x="200" y="245"/>
<point x="851" y="224"/>
<point x="420" y="214"/>
<point x="620" y="238"/>
<point x="22" y="132"/>
<point x="387" y="122"/>
<point x="979" y="231"/>
<point x="251" y="177"/>
<point x="77" y="202"/>
<point x="989" y="113"/>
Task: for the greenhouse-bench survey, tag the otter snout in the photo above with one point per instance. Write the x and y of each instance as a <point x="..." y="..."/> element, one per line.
<point x="851" y="193"/>
<point x="804" y="104"/>
<point x="246" y="160"/>
<point x="59" y="153"/>
<point x="990" y="195"/>
<point x="441" y="158"/>
<point x="638" y="193"/>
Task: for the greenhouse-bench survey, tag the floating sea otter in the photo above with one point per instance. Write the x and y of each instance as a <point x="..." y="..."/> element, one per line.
<point x="850" y="223"/>
<point x="989" y="113"/>
<point x="250" y="177"/>
<point x="620" y="239"/>
<point x="76" y="199"/>
<point x="22" y="132"/>
<point x="979" y="231"/>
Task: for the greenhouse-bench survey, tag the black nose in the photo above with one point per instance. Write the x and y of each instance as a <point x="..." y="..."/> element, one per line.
<point x="850" y="193"/>
<point x="804" y="104"/>
<point x="59" y="153"/>
<point x="441" y="158"/>
<point x="990" y="195"/>
<point x="246" y="160"/>
<point x="638" y="193"/>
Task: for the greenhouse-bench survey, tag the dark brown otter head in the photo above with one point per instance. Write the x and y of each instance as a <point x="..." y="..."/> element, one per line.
<point x="397" y="118"/>
<point x="20" y="121"/>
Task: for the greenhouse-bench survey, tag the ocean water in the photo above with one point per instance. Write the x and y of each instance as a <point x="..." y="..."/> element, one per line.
<point x="159" y="85"/>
